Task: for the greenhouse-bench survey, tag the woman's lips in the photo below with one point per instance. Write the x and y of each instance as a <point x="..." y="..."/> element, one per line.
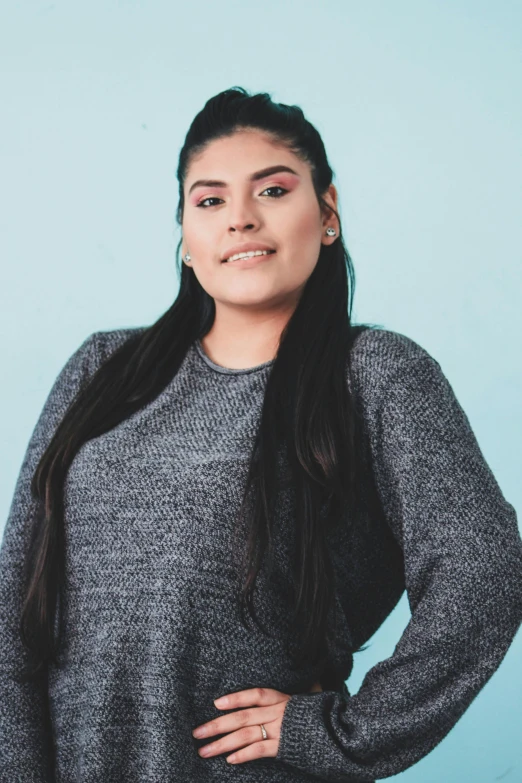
<point x="245" y="263"/>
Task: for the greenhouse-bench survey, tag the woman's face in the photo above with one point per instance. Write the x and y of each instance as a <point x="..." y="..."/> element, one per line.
<point x="236" y="206"/>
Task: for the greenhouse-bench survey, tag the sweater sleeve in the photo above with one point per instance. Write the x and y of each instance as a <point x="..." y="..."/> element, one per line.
<point x="463" y="575"/>
<point x="25" y="729"/>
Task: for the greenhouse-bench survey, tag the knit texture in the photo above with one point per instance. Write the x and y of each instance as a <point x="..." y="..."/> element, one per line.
<point x="152" y="633"/>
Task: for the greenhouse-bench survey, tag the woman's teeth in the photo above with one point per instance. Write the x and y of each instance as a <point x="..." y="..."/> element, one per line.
<point x="248" y="255"/>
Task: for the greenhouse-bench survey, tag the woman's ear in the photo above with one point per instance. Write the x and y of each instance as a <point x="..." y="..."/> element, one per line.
<point x="329" y="217"/>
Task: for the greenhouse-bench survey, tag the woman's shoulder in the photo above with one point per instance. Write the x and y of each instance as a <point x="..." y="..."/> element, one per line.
<point x="107" y="341"/>
<point x="378" y="355"/>
<point x="385" y="348"/>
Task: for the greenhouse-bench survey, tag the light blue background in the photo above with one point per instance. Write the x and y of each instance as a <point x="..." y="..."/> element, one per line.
<point x="419" y="104"/>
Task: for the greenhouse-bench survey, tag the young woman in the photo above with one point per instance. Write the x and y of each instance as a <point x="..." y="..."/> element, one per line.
<point x="217" y="511"/>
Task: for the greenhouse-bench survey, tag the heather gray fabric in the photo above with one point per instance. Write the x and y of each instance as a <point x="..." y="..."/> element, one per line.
<point x="152" y="634"/>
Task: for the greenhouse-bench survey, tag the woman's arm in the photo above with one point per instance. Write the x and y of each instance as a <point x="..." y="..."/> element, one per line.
<point x="25" y="732"/>
<point x="463" y="573"/>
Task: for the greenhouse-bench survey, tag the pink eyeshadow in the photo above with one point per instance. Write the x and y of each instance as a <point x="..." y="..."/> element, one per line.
<point x="284" y="179"/>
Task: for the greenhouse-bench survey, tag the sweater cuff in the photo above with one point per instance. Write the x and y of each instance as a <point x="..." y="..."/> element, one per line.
<point x="299" y="744"/>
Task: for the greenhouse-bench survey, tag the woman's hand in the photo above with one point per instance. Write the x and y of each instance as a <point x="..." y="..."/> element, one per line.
<point x="244" y="733"/>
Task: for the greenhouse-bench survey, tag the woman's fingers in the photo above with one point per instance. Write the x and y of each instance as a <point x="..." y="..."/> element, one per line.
<point x="235" y="741"/>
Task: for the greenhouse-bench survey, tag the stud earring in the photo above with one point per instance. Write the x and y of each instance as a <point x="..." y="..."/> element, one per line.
<point x="331" y="232"/>
<point x="187" y="257"/>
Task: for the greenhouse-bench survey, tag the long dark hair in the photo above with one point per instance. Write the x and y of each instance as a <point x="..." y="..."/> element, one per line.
<point x="308" y="409"/>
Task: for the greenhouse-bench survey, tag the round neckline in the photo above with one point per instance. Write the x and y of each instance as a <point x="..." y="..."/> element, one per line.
<point x="229" y="370"/>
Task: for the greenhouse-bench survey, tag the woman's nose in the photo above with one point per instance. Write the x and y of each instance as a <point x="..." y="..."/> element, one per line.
<point x="241" y="216"/>
<point x="241" y="225"/>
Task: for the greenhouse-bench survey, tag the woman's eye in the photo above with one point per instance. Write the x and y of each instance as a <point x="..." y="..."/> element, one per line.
<point x="215" y="198"/>
<point x="210" y="198"/>
<point x="276" y="187"/>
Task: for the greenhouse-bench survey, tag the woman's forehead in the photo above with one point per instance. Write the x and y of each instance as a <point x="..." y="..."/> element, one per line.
<point x="232" y="164"/>
<point x="243" y="149"/>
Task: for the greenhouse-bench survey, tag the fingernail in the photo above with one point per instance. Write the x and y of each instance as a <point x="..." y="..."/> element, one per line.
<point x="222" y="702"/>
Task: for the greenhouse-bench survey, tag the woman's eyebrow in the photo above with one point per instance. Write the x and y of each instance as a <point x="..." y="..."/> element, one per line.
<point x="216" y="183"/>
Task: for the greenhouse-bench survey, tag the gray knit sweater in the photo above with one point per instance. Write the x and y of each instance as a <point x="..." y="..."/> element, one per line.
<point x="152" y="635"/>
